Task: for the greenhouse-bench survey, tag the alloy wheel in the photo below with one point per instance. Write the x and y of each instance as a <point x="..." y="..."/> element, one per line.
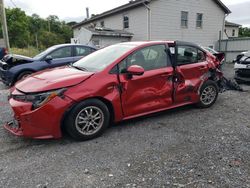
<point x="89" y="120"/>
<point x="208" y="95"/>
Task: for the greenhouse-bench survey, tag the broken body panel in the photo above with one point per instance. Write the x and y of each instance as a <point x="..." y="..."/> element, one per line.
<point x="126" y="96"/>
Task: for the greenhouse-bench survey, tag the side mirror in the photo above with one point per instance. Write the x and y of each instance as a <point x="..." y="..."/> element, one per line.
<point x="48" y="58"/>
<point x="135" y="70"/>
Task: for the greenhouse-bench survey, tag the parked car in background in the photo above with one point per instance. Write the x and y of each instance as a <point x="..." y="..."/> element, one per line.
<point x="3" y="52"/>
<point x="16" y="67"/>
<point x="119" y="82"/>
<point x="242" y="67"/>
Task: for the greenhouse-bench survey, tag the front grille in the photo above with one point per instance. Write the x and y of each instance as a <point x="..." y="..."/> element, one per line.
<point x="244" y="62"/>
<point x="243" y="72"/>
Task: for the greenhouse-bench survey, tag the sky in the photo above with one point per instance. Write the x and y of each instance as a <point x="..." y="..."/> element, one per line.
<point x="74" y="10"/>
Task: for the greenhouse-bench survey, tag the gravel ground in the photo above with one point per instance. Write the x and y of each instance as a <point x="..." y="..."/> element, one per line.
<point x="185" y="147"/>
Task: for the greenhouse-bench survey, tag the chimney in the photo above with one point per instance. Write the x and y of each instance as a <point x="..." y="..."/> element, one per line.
<point x="87" y="12"/>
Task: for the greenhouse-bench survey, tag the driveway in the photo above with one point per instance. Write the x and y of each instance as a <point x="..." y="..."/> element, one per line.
<point x="184" y="147"/>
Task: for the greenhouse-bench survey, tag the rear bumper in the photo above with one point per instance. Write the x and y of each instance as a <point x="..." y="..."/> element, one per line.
<point x="42" y="123"/>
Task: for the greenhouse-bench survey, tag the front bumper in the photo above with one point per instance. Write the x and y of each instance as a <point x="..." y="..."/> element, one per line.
<point x="42" y="123"/>
<point x="242" y="79"/>
<point x="241" y="66"/>
<point x="5" y="77"/>
<point x="242" y="72"/>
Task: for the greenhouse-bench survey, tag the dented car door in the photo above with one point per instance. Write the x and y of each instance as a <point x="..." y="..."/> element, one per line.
<point x="152" y="90"/>
<point x="191" y="71"/>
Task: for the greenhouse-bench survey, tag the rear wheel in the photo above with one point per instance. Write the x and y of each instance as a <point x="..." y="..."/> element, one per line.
<point x="87" y="120"/>
<point x="208" y="94"/>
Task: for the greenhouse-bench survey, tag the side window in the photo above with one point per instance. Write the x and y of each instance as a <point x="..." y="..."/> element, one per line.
<point x="150" y="58"/>
<point x="82" y="51"/>
<point x="189" y="55"/>
<point x="201" y="56"/>
<point x="61" y="53"/>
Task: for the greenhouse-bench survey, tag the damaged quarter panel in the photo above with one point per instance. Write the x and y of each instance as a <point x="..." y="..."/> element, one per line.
<point x="192" y="71"/>
<point x="105" y="89"/>
<point x="116" y="83"/>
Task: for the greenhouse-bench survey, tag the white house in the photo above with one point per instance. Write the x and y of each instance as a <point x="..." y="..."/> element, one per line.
<point x="231" y="29"/>
<point x="199" y="21"/>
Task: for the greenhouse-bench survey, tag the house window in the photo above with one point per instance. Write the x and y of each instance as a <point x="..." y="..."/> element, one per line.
<point x="102" y="24"/>
<point x="125" y="22"/>
<point x="184" y="19"/>
<point x="233" y="32"/>
<point x="199" y="20"/>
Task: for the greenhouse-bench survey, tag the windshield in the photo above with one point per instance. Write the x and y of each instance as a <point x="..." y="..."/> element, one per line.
<point x="100" y="59"/>
<point x="42" y="54"/>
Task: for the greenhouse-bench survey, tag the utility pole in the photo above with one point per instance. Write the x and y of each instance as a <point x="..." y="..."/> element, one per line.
<point x="4" y="25"/>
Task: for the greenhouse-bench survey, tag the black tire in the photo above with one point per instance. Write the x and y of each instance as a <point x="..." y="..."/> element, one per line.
<point x="208" y="85"/>
<point x="72" y="124"/>
<point x="23" y="75"/>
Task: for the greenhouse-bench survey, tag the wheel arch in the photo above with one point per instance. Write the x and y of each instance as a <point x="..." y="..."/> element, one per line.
<point x="104" y="100"/>
<point x="21" y="71"/>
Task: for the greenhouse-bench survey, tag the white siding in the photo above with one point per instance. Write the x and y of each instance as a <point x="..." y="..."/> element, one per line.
<point x="83" y="35"/>
<point x="234" y="46"/>
<point x="166" y="21"/>
<point x="229" y="31"/>
<point x="106" y="41"/>
<point x="137" y="22"/>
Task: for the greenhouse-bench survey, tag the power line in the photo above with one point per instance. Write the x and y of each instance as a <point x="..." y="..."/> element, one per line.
<point x="4" y="24"/>
<point x="13" y="3"/>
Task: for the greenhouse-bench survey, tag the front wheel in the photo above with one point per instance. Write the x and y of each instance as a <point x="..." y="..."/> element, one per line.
<point x="87" y="120"/>
<point x="23" y="75"/>
<point x="208" y="94"/>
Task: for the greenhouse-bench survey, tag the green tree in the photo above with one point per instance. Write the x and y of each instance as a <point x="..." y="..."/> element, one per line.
<point x="244" y="32"/>
<point x="35" y="31"/>
<point x="18" y="29"/>
<point x="35" y="25"/>
<point x="47" y="39"/>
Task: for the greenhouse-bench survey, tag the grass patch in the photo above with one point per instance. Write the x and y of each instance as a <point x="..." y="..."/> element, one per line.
<point x="30" y="52"/>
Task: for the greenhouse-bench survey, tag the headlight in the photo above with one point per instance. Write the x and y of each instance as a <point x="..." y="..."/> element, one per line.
<point x="39" y="99"/>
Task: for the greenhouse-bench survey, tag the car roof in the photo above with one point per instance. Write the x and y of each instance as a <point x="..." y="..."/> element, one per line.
<point x="170" y="43"/>
<point x="69" y="44"/>
<point x="142" y="43"/>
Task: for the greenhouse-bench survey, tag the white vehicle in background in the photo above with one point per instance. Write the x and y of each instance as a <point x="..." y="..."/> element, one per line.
<point x="242" y="67"/>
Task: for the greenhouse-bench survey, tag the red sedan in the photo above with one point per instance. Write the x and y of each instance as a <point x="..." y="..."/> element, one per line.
<point x="122" y="81"/>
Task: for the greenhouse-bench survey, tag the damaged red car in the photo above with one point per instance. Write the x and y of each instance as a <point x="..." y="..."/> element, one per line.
<point x="119" y="82"/>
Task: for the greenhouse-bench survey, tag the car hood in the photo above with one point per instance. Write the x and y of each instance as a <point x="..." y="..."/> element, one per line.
<point x="52" y="79"/>
<point x="14" y="58"/>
